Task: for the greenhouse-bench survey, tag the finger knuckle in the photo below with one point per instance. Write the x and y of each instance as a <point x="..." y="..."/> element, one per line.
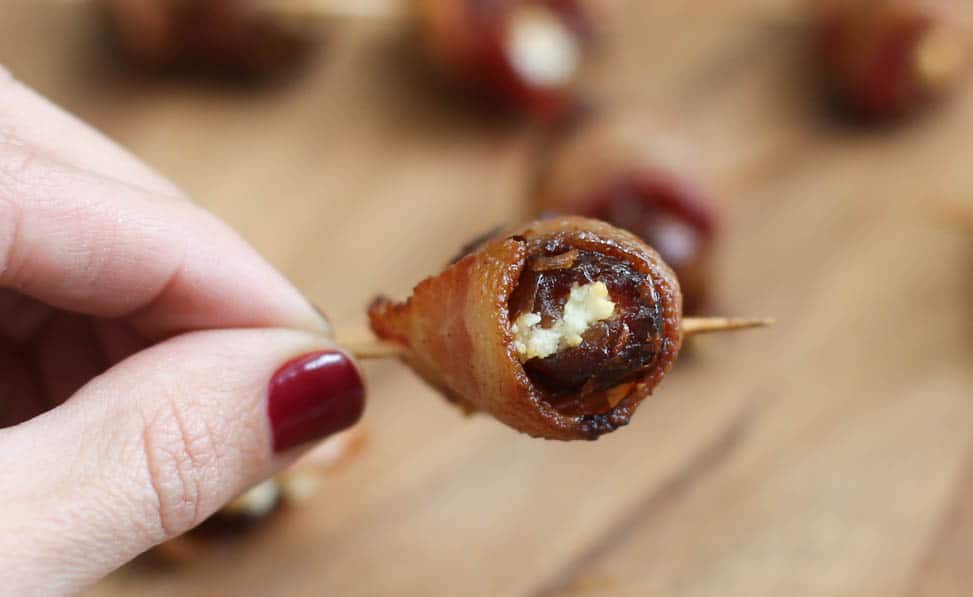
<point x="182" y="462"/>
<point x="20" y="177"/>
<point x="9" y="231"/>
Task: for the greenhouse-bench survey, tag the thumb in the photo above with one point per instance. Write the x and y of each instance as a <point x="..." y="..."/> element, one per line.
<point x="154" y="446"/>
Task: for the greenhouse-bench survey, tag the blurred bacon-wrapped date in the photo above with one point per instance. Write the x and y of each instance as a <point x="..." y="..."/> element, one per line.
<point x="525" y="54"/>
<point x="887" y="58"/>
<point x="235" y="37"/>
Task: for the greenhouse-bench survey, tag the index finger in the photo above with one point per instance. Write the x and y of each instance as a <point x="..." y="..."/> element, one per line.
<point x="30" y="120"/>
<point x="93" y="245"/>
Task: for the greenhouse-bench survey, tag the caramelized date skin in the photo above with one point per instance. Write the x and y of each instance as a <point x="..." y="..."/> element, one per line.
<point x="613" y="351"/>
<point x="594" y="426"/>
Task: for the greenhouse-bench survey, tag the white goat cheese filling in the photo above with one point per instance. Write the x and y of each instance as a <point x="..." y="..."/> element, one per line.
<point x="586" y="305"/>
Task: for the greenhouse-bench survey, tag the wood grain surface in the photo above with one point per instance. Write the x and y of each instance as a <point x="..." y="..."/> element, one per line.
<point x="830" y="455"/>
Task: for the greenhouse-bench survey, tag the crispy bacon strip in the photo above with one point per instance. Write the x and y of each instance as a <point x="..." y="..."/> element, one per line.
<point x="457" y="328"/>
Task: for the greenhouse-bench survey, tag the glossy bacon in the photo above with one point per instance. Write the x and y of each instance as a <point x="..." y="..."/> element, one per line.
<point x="456" y="329"/>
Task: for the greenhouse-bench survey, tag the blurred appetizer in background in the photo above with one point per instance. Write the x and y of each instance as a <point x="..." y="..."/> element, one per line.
<point x="237" y="37"/>
<point x="641" y="179"/>
<point x="558" y="329"/>
<point x="525" y="54"/>
<point x="885" y="59"/>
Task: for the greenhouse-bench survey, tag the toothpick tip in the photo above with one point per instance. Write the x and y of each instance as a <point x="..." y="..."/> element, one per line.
<point x="709" y="325"/>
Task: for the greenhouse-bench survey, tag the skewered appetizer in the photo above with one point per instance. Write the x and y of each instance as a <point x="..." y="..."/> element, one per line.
<point x="887" y="58"/>
<point x="637" y="179"/>
<point x="523" y="53"/>
<point x="239" y="37"/>
<point x="558" y="329"/>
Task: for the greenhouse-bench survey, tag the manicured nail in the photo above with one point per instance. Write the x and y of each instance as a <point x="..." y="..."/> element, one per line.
<point x="312" y="397"/>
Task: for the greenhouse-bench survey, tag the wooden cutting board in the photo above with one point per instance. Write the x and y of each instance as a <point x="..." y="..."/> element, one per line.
<point x="830" y="455"/>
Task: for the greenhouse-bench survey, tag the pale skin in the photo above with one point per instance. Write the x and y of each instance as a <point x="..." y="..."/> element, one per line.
<point x="137" y="337"/>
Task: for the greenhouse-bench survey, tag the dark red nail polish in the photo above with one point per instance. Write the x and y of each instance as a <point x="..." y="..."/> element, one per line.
<point x="312" y="397"/>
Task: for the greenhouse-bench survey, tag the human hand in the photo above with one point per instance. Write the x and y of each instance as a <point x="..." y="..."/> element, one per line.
<point x="152" y="364"/>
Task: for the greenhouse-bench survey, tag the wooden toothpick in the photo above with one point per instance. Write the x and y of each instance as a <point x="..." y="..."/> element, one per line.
<point x="691" y="326"/>
<point x="373" y="349"/>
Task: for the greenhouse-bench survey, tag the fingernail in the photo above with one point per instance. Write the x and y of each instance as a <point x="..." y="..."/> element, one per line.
<point x="312" y="397"/>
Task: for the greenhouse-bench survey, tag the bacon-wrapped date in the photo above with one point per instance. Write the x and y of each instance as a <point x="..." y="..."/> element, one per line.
<point x="638" y="179"/>
<point x="522" y="53"/>
<point x="239" y="37"/>
<point x="558" y="329"/>
<point x="886" y="58"/>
